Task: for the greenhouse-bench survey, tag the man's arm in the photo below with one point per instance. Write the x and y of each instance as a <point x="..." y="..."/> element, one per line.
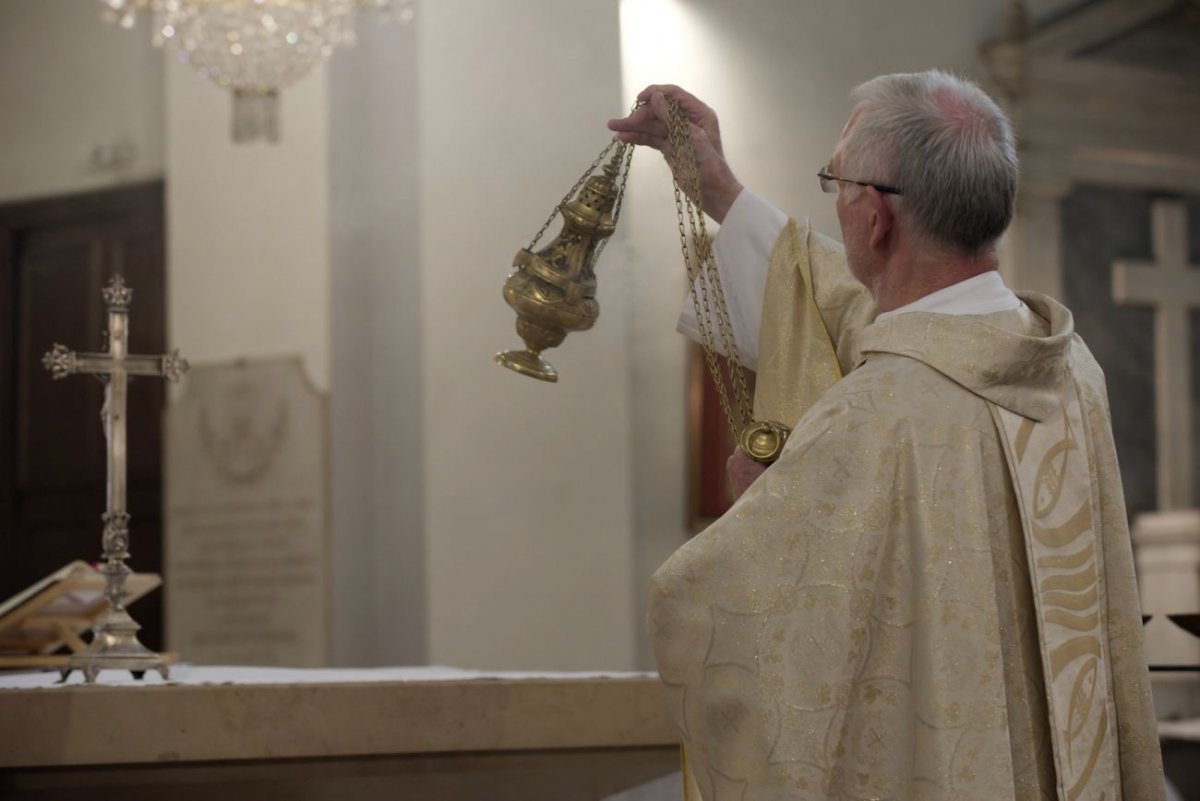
<point x="745" y="246"/>
<point x="743" y="251"/>
<point x="750" y="229"/>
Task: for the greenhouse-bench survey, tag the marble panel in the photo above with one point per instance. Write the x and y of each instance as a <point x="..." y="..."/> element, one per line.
<point x="246" y="549"/>
<point x="1100" y="226"/>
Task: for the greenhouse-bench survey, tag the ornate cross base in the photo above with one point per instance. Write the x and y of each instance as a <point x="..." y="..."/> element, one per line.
<point x="115" y="646"/>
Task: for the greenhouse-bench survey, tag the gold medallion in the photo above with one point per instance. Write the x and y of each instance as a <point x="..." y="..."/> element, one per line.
<point x="763" y="441"/>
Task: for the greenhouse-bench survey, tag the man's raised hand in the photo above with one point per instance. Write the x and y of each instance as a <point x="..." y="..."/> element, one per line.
<point x="648" y="125"/>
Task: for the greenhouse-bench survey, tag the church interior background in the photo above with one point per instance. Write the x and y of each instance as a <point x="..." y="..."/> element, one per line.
<point x="450" y="512"/>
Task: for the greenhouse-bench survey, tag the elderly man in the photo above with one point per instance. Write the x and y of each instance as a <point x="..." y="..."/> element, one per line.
<point x="930" y="595"/>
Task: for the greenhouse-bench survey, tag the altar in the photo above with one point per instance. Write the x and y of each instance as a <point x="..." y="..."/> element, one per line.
<point x="382" y="733"/>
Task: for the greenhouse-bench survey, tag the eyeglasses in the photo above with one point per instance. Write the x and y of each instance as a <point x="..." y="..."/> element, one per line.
<point x="829" y="183"/>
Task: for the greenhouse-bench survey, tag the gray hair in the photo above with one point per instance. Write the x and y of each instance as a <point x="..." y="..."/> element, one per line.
<point x="946" y="146"/>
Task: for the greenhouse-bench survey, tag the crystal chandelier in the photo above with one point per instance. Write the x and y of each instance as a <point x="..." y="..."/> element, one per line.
<point x="253" y="47"/>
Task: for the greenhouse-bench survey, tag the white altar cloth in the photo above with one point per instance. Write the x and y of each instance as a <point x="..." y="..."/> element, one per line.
<point x="195" y="675"/>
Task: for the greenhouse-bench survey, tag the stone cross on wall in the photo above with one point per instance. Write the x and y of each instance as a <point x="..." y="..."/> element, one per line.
<point x="1171" y="287"/>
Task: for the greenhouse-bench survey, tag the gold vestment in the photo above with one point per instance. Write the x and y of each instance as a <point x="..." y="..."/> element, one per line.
<point x="864" y="622"/>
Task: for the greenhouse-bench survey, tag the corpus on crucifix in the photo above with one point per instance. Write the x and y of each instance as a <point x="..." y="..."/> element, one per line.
<point x="114" y="643"/>
<point x="1171" y="288"/>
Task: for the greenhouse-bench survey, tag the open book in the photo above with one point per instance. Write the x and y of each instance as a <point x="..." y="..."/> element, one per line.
<point x="55" y="611"/>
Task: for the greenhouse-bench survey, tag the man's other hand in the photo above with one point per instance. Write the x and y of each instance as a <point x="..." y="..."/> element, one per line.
<point x="648" y="125"/>
<point x="742" y="471"/>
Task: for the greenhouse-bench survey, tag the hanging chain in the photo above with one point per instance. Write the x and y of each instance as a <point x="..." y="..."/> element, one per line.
<point x="703" y="277"/>
<point x="616" y="212"/>
<point x="571" y="193"/>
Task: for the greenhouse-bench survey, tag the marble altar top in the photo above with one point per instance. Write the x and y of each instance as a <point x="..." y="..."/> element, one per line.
<point x="246" y="713"/>
<point x="199" y="675"/>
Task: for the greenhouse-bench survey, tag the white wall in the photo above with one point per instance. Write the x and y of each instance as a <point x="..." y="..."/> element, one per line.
<point x="68" y="84"/>
<point x="380" y="587"/>
<point x="247" y="227"/>
<point x="528" y="497"/>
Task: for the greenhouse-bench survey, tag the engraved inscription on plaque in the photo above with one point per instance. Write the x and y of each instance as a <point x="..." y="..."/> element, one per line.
<point x="246" y="558"/>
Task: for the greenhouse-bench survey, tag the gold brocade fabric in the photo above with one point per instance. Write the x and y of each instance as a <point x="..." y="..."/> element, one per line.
<point x="862" y="624"/>
<point x="810" y="293"/>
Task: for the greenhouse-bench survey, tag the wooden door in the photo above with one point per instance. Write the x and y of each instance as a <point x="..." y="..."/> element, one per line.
<point x="55" y="256"/>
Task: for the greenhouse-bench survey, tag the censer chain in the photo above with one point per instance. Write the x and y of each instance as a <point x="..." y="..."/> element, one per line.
<point x="616" y="213"/>
<point x="614" y="142"/>
<point x="703" y="276"/>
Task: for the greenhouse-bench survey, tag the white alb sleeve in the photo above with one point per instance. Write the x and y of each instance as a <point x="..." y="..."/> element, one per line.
<point x="742" y="248"/>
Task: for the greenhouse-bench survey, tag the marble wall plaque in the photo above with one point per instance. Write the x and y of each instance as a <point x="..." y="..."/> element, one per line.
<point x="1102" y="225"/>
<point x="246" y="549"/>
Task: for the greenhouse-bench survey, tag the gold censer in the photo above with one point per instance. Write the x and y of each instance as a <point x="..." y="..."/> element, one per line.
<point x="553" y="290"/>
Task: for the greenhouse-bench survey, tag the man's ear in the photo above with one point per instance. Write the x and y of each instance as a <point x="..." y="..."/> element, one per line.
<point x="882" y="219"/>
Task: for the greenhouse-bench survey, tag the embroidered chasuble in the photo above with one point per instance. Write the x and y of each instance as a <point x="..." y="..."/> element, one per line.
<point x="931" y="594"/>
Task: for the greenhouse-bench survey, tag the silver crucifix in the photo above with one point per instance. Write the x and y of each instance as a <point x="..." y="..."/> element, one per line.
<point x="114" y="643"/>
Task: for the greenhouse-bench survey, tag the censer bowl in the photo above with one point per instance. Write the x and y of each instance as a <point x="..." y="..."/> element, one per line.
<point x="542" y="327"/>
<point x="543" y="321"/>
<point x="529" y="361"/>
<point x="526" y="362"/>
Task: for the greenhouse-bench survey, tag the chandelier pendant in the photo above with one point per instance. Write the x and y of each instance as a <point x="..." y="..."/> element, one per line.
<point x="255" y="115"/>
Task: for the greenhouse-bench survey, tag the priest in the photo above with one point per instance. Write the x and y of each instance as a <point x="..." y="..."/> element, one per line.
<point x="930" y="594"/>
